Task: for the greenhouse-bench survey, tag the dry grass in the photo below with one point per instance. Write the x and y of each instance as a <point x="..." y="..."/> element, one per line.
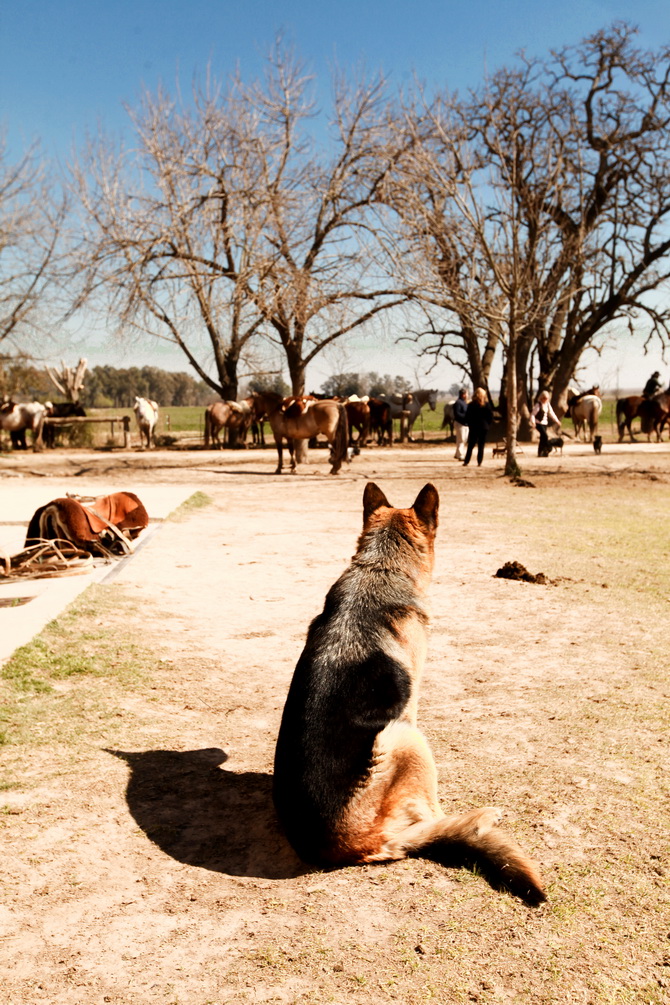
<point x="142" y="861"/>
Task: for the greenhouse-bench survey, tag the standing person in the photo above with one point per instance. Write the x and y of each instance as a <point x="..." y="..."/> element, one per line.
<point x="541" y="418"/>
<point x="478" y="418"/>
<point x="460" y="427"/>
<point x="652" y="386"/>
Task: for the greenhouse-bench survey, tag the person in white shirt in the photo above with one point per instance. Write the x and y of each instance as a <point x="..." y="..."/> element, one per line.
<point x="541" y="418"/>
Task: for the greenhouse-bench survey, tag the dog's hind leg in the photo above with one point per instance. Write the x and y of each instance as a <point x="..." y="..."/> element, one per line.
<point x="397" y="814"/>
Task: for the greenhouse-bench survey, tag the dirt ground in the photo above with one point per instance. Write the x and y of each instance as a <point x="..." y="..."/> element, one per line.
<point x="139" y="854"/>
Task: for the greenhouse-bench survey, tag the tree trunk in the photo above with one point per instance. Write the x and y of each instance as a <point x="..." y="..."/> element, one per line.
<point x="512" y="469"/>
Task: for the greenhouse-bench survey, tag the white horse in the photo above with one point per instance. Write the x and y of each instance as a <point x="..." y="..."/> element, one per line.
<point x="16" y="418"/>
<point x="146" y="413"/>
<point x="585" y="414"/>
<point x="411" y="402"/>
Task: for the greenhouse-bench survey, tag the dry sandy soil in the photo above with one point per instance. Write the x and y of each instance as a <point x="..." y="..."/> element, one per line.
<point x="140" y="858"/>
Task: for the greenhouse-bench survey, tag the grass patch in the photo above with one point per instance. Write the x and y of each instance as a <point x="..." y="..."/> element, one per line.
<point x="195" y="502"/>
<point x="88" y="640"/>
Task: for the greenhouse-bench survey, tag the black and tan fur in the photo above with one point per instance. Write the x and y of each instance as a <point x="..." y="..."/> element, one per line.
<point x="354" y="779"/>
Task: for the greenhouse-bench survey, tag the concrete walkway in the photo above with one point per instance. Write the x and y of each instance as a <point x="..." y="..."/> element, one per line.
<point x="41" y="600"/>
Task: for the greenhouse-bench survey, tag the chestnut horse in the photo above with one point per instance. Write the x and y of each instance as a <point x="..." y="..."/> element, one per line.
<point x="301" y="419"/>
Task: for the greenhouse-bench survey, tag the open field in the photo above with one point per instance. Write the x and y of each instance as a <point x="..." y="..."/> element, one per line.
<point x="139" y="854"/>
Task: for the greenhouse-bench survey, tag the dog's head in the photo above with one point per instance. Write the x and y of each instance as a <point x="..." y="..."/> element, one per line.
<point x="416" y="525"/>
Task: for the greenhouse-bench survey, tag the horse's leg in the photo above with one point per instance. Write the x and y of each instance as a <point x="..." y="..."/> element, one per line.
<point x="292" y="452"/>
<point x="279" y="445"/>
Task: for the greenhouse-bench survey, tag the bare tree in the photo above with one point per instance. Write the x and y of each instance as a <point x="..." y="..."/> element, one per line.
<point x="69" y="380"/>
<point x="481" y="263"/>
<point x="32" y="218"/>
<point x="329" y="270"/>
<point x="232" y="224"/>
<point x="540" y="205"/>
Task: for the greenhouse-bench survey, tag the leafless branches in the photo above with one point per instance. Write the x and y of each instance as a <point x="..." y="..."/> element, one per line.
<point x="32" y="219"/>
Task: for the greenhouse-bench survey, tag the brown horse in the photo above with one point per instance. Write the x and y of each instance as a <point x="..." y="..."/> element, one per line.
<point x="258" y="417"/>
<point x="358" y="416"/>
<point x="381" y="422"/>
<point x="653" y="414"/>
<point x="627" y="409"/>
<point x="302" y="418"/>
<point x="226" y="415"/>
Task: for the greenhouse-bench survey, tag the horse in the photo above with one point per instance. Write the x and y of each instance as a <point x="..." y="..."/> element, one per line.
<point x="654" y="413"/>
<point x="146" y="413"/>
<point x="627" y="409"/>
<point x="15" y="419"/>
<point x="303" y="418"/>
<point x="411" y="402"/>
<point x="257" y="418"/>
<point x="381" y="422"/>
<point x="584" y="413"/>
<point x="448" y="418"/>
<point x="358" y="417"/>
<point x="109" y="524"/>
<point x="226" y="415"/>
<point x="61" y="410"/>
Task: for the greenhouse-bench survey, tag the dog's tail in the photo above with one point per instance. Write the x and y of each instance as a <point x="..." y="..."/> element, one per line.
<point x="472" y="840"/>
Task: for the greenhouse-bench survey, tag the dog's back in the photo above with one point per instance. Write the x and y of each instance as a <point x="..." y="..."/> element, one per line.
<point x="353" y="678"/>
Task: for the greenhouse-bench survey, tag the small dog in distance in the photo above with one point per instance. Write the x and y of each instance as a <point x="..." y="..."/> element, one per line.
<point x="598" y="444"/>
<point x="555" y="443"/>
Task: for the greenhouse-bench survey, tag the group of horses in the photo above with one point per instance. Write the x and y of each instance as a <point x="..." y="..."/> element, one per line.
<point x="305" y="417"/>
<point x="20" y="418"/>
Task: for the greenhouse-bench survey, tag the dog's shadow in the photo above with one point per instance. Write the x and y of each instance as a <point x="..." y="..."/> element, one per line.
<point x="202" y="815"/>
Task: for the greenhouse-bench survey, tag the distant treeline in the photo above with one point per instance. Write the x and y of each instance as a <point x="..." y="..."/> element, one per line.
<point x="107" y="386"/>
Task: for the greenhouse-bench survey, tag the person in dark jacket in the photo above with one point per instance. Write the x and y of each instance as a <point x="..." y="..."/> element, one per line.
<point x="460" y="426"/>
<point x="478" y="418"/>
<point x="652" y="386"/>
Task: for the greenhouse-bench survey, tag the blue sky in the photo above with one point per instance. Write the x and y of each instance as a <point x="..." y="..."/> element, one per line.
<point x="67" y="65"/>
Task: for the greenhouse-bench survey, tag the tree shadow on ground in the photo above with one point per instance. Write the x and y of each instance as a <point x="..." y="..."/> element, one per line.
<point x="202" y="815"/>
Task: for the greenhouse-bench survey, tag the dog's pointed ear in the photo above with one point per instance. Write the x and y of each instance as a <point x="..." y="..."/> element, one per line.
<point x="426" y="505"/>
<point x="373" y="498"/>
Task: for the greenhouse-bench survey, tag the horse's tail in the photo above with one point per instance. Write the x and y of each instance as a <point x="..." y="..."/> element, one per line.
<point x="208" y="427"/>
<point x="621" y="416"/>
<point x="341" y="440"/>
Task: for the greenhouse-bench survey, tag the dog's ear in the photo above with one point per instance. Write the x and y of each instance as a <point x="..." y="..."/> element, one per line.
<point x="426" y="506"/>
<point x="373" y="498"/>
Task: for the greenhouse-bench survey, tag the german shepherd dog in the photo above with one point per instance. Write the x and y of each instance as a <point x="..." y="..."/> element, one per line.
<point x="354" y="779"/>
